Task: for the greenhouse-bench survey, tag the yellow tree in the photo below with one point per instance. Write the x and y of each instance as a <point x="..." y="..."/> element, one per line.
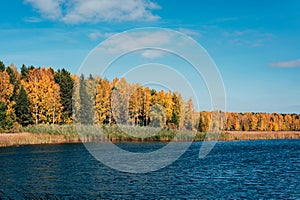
<point x="168" y="105"/>
<point x="146" y="105"/>
<point x="135" y="104"/>
<point x="119" y="100"/>
<point x="288" y="122"/>
<point x="6" y="88"/>
<point x="237" y="122"/>
<point x="158" y="98"/>
<point x="262" y="122"/>
<point x="44" y="95"/>
<point x="189" y="113"/>
<point x="204" y="121"/>
<point x="6" y="92"/>
<point x="182" y="110"/>
<point x="253" y="122"/>
<point x="76" y="99"/>
<point x="102" y="101"/>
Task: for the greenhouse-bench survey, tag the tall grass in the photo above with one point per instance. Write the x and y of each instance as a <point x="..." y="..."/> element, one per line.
<point x="65" y="130"/>
<point x="113" y="133"/>
<point x="44" y="134"/>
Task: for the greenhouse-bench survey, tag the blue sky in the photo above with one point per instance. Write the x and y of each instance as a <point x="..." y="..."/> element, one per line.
<point x="256" y="46"/>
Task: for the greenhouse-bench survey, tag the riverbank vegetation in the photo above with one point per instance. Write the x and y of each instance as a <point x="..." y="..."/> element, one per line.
<point x="37" y="99"/>
<point x="56" y="134"/>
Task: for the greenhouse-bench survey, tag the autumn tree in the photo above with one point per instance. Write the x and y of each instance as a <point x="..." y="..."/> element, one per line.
<point x="44" y="96"/>
<point x="245" y="121"/>
<point x="288" y="122"/>
<point x="168" y="105"/>
<point x="157" y="116"/>
<point x="189" y="110"/>
<point x="146" y="106"/>
<point x="182" y="110"/>
<point x="76" y="99"/>
<point x="91" y="84"/>
<point x="176" y="110"/>
<point x="135" y="104"/>
<point x="6" y="88"/>
<point x="204" y="121"/>
<point x="120" y="96"/>
<point x="253" y="122"/>
<point x="102" y="102"/>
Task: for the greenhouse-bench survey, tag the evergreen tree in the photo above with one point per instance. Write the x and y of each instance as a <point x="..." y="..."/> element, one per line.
<point x="24" y="70"/>
<point x="86" y="114"/>
<point x="6" y="118"/>
<point x="2" y="66"/>
<point x="14" y="80"/>
<point x="175" y="120"/>
<point x="2" y="114"/>
<point x="175" y="111"/>
<point x="64" y="80"/>
<point x="22" y="108"/>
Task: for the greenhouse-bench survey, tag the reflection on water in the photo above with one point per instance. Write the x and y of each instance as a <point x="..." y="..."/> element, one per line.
<point x="243" y="169"/>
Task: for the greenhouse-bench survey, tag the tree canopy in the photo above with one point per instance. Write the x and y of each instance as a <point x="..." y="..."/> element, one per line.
<point x="47" y="96"/>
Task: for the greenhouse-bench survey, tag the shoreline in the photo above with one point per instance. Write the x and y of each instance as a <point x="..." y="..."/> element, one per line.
<point x="26" y="138"/>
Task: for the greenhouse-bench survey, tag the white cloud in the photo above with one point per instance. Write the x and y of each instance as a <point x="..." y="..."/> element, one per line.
<point x="139" y="41"/>
<point x="189" y="32"/>
<point x="135" y="40"/>
<point x="97" y="34"/>
<point x="94" y="11"/>
<point x="152" y="53"/>
<point x="291" y="63"/>
<point x="50" y="9"/>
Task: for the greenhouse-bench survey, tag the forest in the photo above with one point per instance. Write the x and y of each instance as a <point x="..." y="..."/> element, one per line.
<point x="36" y="96"/>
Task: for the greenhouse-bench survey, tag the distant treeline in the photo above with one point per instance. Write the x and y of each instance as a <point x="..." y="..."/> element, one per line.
<point x="48" y="96"/>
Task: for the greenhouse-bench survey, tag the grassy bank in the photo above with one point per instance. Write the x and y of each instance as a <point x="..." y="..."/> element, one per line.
<point x="259" y="135"/>
<point x="53" y="134"/>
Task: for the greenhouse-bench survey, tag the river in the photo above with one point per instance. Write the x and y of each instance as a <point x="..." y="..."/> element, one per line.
<point x="232" y="170"/>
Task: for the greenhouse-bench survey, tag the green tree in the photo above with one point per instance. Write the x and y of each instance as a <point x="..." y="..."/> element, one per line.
<point x="86" y="114"/>
<point x="2" y="66"/>
<point x="6" y="118"/>
<point x="22" y="105"/>
<point x="64" y="80"/>
<point x="157" y="116"/>
<point x="15" y="80"/>
<point x="24" y="70"/>
<point x="176" y="111"/>
<point x="2" y="115"/>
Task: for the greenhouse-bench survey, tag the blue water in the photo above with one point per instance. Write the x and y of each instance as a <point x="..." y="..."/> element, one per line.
<point x="233" y="170"/>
